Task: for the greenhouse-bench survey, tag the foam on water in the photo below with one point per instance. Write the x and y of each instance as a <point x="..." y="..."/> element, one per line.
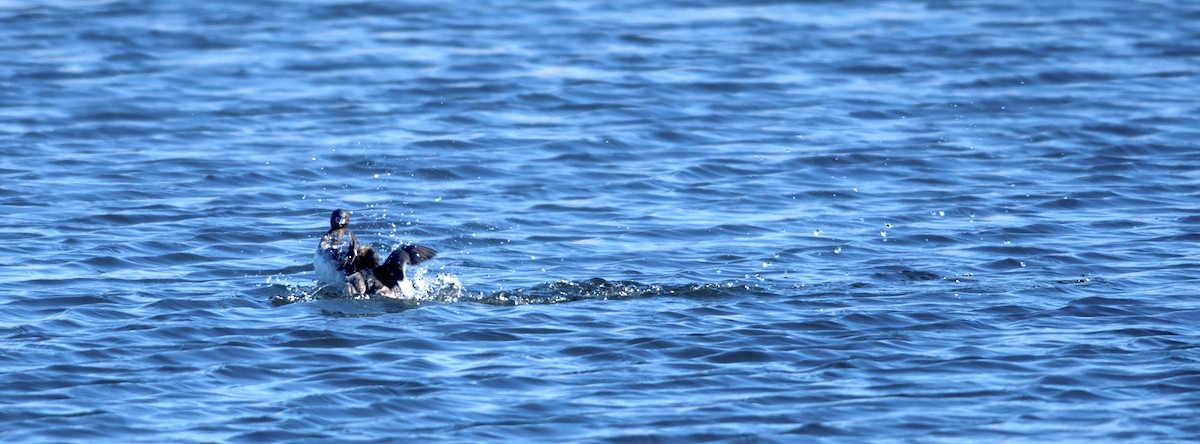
<point x="420" y="287"/>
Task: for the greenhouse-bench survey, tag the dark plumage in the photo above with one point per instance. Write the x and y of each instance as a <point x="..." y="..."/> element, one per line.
<point x="339" y="219"/>
<point x="332" y="259"/>
<point x="361" y="257"/>
<point x="385" y="279"/>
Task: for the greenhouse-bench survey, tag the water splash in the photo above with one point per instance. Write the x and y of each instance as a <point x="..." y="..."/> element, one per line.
<point x="438" y="288"/>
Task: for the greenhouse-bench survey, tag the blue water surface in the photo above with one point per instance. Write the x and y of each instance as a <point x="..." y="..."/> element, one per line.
<point x="674" y="221"/>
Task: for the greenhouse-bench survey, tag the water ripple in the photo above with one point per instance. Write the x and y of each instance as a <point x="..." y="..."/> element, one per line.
<point x="682" y="221"/>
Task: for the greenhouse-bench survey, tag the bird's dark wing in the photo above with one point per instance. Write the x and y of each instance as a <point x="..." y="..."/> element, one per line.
<point x="418" y="253"/>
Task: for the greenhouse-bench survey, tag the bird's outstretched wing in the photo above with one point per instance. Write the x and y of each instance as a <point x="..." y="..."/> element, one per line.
<point x="418" y="253"/>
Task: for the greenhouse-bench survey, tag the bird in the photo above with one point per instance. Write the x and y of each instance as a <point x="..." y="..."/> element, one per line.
<point x="389" y="278"/>
<point x="333" y="256"/>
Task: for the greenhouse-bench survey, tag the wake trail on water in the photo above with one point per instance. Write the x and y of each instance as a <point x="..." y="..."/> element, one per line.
<point x="442" y="288"/>
<point x="427" y="286"/>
